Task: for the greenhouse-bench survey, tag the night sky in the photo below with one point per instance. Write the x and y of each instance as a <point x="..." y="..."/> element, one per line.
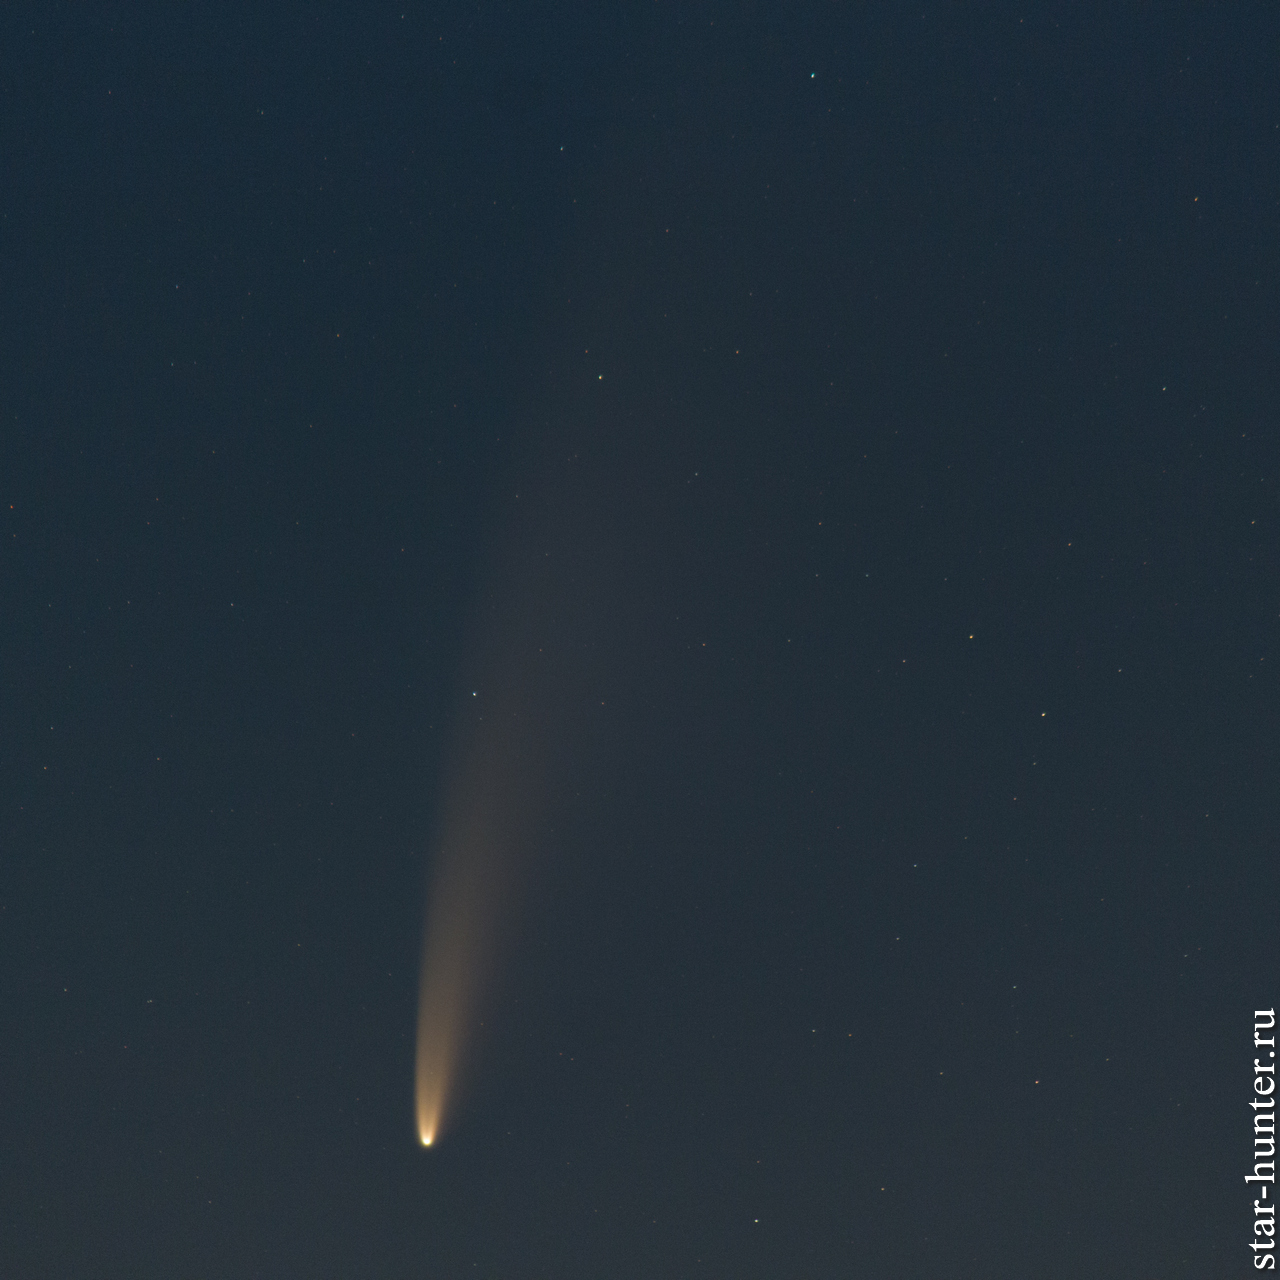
<point x="805" y="473"/>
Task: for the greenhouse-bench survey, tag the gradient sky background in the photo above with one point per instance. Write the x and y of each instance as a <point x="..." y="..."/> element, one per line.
<point x="870" y="411"/>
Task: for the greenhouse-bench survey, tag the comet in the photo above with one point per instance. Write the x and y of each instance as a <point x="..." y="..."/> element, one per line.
<point x="467" y="904"/>
<point x="526" y="712"/>
<point x="488" y="832"/>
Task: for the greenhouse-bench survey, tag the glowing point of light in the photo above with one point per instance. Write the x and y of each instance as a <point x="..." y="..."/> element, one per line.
<point x="428" y="1116"/>
<point x="428" y="1125"/>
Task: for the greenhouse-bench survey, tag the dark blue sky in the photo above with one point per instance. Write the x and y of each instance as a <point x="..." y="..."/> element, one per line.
<point x="869" y="413"/>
